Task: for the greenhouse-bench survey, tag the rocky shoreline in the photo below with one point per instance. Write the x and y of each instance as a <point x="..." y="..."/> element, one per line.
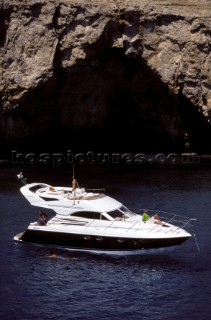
<point x="74" y="66"/>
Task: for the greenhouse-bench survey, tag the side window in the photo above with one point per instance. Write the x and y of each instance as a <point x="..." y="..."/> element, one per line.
<point x="89" y="215"/>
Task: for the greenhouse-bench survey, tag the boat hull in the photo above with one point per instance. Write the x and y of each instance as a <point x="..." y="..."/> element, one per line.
<point x="103" y="244"/>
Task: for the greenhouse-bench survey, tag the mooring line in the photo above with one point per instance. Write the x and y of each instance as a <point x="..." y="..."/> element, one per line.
<point x="196" y="243"/>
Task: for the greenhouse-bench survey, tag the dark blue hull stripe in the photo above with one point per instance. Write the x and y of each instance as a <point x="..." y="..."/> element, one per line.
<point x="96" y="242"/>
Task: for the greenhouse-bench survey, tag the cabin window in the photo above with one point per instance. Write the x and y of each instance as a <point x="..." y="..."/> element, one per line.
<point x="36" y="187"/>
<point x="49" y="199"/>
<point x="89" y="215"/>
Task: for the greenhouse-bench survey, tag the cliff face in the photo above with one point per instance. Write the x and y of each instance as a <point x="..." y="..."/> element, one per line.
<point x="119" y="65"/>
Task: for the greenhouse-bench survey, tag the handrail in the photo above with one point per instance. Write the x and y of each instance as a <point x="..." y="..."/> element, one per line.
<point x="149" y="228"/>
<point x="169" y="216"/>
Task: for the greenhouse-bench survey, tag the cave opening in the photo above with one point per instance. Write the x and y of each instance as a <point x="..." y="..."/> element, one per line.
<point x="107" y="102"/>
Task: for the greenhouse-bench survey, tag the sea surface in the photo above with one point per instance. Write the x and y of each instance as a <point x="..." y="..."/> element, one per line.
<point x="86" y="286"/>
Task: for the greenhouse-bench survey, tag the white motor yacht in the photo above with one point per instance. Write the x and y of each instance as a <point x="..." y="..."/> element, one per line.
<point x="89" y="220"/>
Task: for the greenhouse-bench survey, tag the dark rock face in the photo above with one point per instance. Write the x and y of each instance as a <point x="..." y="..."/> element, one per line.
<point x="105" y="75"/>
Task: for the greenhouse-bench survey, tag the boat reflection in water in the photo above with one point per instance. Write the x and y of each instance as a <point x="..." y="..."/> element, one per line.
<point x="89" y="220"/>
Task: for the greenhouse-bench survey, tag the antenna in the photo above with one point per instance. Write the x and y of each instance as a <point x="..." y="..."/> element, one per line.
<point x="22" y="178"/>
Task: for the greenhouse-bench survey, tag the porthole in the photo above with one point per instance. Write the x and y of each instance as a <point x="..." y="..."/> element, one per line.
<point x="120" y="240"/>
<point x="99" y="238"/>
<point x="87" y="237"/>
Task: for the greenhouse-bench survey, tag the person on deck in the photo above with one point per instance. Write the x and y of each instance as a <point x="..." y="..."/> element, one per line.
<point x="42" y="218"/>
<point x="145" y="216"/>
<point x="154" y="219"/>
<point x="74" y="185"/>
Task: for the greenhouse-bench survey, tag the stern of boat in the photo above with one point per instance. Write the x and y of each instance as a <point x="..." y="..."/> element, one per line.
<point x="18" y="237"/>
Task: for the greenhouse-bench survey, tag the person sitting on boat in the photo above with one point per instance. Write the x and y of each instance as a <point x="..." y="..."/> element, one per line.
<point x="154" y="219"/>
<point x="74" y="185"/>
<point x="145" y="216"/>
<point x="42" y="218"/>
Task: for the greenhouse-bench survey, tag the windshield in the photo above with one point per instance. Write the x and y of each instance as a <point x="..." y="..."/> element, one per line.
<point x="122" y="212"/>
<point x="127" y="211"/>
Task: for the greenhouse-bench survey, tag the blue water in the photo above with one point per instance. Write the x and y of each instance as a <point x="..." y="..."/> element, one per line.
<point x="86" y="286"/>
